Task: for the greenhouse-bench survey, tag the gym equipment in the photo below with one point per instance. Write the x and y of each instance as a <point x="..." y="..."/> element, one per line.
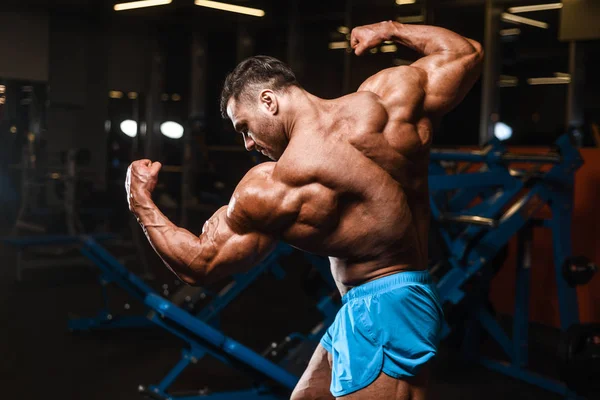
<point x="477" y="213"/>
<point x="281" y="362"/>
<point x="195" y="329"/>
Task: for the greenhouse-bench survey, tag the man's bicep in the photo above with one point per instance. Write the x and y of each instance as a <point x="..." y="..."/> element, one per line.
<point x="230" y="248"/>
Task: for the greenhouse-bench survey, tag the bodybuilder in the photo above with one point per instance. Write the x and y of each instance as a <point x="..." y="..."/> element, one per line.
<point x="349" y="181"/>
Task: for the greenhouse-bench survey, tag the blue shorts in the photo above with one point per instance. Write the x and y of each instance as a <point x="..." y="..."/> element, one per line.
<point x="391" y="324"/>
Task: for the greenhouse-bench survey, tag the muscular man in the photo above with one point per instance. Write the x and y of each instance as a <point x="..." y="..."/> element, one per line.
<point x="349" y="181"/>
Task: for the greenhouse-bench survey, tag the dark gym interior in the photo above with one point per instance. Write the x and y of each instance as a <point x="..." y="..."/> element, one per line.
<point x="91" y="312"/>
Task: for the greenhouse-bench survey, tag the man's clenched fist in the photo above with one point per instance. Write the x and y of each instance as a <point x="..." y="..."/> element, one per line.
<point x="366" y="37"/>
<point x="142" y="176"/>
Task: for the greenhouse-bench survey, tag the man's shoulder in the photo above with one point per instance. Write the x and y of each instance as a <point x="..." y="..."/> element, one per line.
<point x="261" y="200"/>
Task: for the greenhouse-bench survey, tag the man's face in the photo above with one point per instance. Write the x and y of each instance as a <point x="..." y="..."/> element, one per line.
<point x="260" y="129"/>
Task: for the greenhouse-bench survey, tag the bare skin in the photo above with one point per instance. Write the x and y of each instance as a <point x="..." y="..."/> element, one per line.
<point x="349" y="181"/>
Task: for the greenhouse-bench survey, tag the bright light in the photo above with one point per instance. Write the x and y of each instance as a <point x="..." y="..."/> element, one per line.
<point x="129" y="127"/>
<point x="388" y="48"/>
<point x="2" y="89"/>
<point x="510" y="32"/>
<point x="522" y="20"/>
<point x="508" y="81"/>
<point x="230" y="7"/>
<point x="344" y="30"/>
<point x="339" y="45"/>
<point x="171" y="129"/>
<point x="537" y="7"/>
<point x="132" y="95"/>
<point x="115" y="94"/>
<point x="140" y="4"/>
<point x="403" y="2"/>
<point x="502" y="131"/>
<point x="558" y="80"/>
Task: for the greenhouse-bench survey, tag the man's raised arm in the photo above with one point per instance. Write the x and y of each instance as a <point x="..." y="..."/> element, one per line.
<point x="226" y="246"/>
<point x="451" y="62"/>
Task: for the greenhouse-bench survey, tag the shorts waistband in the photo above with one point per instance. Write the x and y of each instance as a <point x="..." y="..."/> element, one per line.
<point x="387" y="283"/>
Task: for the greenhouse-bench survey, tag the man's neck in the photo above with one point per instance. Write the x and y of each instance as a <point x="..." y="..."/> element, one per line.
<point x="300" y="106"/>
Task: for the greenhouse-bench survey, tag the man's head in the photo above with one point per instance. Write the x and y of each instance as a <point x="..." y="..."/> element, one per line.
<point x="251" y="98"/>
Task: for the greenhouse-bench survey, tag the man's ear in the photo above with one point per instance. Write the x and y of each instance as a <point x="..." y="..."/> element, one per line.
<point x="268" y="100"/>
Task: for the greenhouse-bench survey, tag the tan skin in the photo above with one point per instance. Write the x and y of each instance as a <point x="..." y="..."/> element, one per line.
<point x="348" y="181"/>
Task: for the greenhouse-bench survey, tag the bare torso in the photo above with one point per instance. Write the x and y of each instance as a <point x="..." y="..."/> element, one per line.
<point x="365" y="169"/>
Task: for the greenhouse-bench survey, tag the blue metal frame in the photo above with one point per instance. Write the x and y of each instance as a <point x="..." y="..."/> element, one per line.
<point x="471" y="246"/>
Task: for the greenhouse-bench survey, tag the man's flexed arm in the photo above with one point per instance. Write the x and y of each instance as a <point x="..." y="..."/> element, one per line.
<point x="449" y="68"/>
<point x="226" y="246"/>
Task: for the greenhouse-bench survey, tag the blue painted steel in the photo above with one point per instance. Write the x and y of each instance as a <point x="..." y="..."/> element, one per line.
<point x="530" y="377"/>
<point x="471" y="248"/>
<point x="208" y="334"/>
<point x="521" y="314"/>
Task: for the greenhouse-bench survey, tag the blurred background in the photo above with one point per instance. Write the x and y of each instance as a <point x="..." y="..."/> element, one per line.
<point x="87" y="86"/>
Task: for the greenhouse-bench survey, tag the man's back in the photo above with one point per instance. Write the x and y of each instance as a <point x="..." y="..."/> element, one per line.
<point x="368" y="164"/>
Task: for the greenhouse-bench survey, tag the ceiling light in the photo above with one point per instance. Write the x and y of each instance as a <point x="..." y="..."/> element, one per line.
<point x="129" y="127"/>
<point x="536" y="7"/>
<point x="508" y="81"/>
<point x="338" y="45"/>
<point x="140" y="4"/>
<point x="230" y="7"/>
<point x="115" y="94"/>
<point x="388" y="48"/>
<point x="171" y="129"/>
<point x="502" y="131"/>
<point x="558" y="80"/>
<point x="522" y="20"/>
<point x="404" y="2"/>
<point x="510" y="32"/>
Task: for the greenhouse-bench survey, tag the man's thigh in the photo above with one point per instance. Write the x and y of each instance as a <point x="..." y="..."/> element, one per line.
<point x="388" y="388"/>
<point x="316" y="379"/>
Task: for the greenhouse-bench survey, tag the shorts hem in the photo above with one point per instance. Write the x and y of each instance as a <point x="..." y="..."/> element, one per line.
<point x="355" y="388"/>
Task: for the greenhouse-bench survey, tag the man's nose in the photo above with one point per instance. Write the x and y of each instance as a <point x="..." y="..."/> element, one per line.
<point x="249" y="143"/>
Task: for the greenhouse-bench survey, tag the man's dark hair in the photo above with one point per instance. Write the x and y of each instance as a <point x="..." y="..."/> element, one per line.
<point x="265" y="71"/>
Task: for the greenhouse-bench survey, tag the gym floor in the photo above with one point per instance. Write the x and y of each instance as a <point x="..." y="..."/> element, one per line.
<point x="41" y="359"/>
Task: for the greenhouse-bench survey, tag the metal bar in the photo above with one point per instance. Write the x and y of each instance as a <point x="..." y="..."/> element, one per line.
<point x="489" y="89"/>
<point x="521" y="315"/>
<point x="470" y="180"/>
<point x="470" y="219"/>
<point x="490" y="324"/>
<point x="177" y="369"/>
<point x="551" y="158"/>
<point x="562" y="208"/>
<point x="530" y="377"/>
<point x="217" y="339"/>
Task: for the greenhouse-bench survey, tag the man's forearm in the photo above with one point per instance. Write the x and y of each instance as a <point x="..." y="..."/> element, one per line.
<point x="428" y="40"/>
<point x="178" y="248"/>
